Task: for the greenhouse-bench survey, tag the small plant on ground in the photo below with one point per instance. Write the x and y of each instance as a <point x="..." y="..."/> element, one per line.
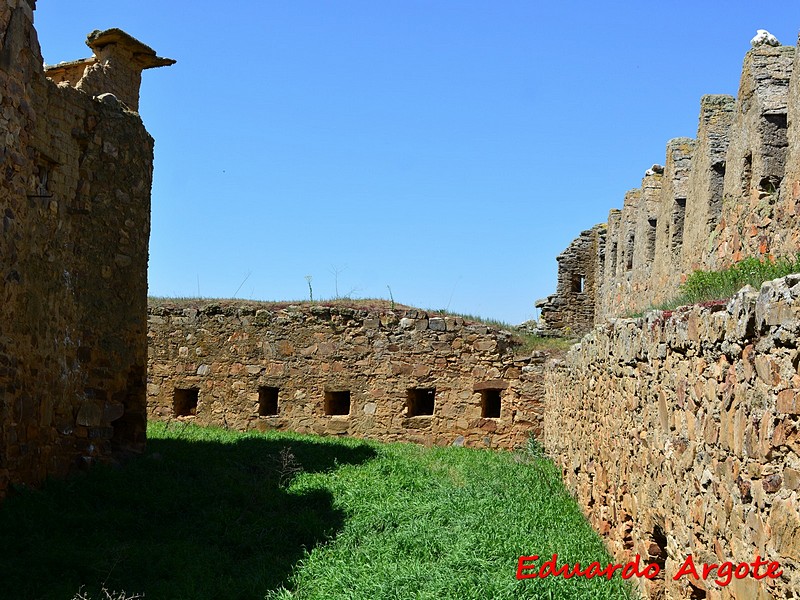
<point x="287" y="467"/>
<point x="106" y="595"/>
<point x="310" y="289"/>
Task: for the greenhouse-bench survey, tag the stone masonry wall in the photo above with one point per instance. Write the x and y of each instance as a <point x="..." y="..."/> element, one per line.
<point x="680" y="434"/>
<point x="731" y="193"/>
<point x="370" y="372"/>
<point x="571" y="309"/>
<point x="75" y="210"/>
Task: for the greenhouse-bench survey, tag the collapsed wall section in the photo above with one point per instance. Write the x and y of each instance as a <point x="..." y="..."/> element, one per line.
<point x="391" y="375"/>
<point x="75" y="209"/>
<point x="679" y="434"/>
<point x="571" y="309"/>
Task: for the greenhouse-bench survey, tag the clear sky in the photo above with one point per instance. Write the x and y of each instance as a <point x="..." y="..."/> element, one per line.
<point x="447" y="149"/>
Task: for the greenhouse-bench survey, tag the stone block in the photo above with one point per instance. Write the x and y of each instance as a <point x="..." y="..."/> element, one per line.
<point x="788" y="402"/>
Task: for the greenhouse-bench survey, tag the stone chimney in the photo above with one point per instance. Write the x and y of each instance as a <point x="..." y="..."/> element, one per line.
<point x="116" y="67"/>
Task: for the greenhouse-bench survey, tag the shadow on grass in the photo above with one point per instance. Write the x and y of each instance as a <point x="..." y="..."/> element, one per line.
<point x="190" y="519"/>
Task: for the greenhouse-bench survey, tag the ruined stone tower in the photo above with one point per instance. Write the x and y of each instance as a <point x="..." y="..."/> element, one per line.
<point x="75" y="202"/>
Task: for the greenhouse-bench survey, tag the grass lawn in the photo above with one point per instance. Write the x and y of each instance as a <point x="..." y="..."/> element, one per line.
<point x="208" y="513"/>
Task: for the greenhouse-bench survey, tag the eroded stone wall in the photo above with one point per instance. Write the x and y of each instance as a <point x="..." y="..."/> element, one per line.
<point x="571" y="309"/>
<point x="731" y="193"/>
<point x="680" y="434"/>
<point x="75" y="203"/>
<point x="370" y="372"/>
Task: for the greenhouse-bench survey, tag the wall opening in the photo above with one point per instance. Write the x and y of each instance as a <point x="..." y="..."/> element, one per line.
<point x="613" y="257"/>
<point x="184" y="401"/>
<point x="420" y="402"/>
<point x="769" y="185"/>
<point x="651" y="239"/>
<point x="696" y="593"/>
<point x="779" y="121"/>
<point x="716" y="186"/>
<point x="490" y="404"/>
<point x="658" y="549"/>
<point x="678" y="218"/>
<point x="578" y="283"/>
<point x="747" y="175"/>
<point x="267" y="401"/>
<point x="337" y="403"/>
<point x="776" y="143"/>
<point x="39" y="186"/>
<point x="629" y="251"/>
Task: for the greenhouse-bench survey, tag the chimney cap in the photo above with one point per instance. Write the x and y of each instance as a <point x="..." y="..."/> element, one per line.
<point x="143" y="54"/>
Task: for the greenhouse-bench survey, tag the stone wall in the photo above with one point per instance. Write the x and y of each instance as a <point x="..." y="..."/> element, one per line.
<point x="680" y="434"/>
<point x="374" y="372"/>
<point x="75" y="203"/>
<point x="731" y="193"/>
<point x="570" y="310"/>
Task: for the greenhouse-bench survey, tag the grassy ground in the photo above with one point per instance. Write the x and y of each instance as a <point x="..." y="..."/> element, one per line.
<point x="712" y="286"/>
<point x="213" y="514"/>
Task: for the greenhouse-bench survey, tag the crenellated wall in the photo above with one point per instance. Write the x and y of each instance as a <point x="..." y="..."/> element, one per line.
<point x="373" y="372"/>
<point x="680" y="435"/>
<point x="732" y="192"/>
<point x="679" y="431"/>
<point x="75" y="209"/>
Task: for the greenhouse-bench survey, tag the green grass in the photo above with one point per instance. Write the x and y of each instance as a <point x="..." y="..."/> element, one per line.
<point x="209" y="513"/>
<point x="714" y="286"/>
<point x="550" y="344"/>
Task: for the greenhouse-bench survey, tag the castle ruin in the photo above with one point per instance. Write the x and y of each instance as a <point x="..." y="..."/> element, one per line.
<point x="386" y="373"/>
<point x="75" y="200"/>
<point x="730" y="193"/>
<point x="678" y="431"/>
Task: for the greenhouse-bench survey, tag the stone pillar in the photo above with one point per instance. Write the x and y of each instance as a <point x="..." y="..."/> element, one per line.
<point x="622" y="295"/>
<point x="672" y="208"/>
<point x="756" y="156"/>
<point x="74" y="246"/>
<point x="706" y="180"/>
<point x="787" y="238"/>
<point x="608" y="282"/>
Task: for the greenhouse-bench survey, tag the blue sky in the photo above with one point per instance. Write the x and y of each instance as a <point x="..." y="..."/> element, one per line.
<point x="447" y="149"/>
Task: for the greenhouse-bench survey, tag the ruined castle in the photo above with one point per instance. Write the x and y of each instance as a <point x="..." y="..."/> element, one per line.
<point x="380" y="372"/>
<point x="75" y="200"/>
<point x="679" y="431"/>
<point x="730" y="193"/>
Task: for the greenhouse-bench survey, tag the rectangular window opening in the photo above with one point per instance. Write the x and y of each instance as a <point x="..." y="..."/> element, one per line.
<point x="678" y="218"/>
<point x="267" y="401"/>
<point x="490" y="404"/>
<point x="184" y="402"/>
<point x="578" y="283"/>
<point x="651" y="239"/>
<point x="747" y="175"/>
<point x="716" y="187"/>
<point x="613" y="258"/>
<point x="629" y="252"/>
<point x="420" y="402"/>
<point x="337" y="403"/>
